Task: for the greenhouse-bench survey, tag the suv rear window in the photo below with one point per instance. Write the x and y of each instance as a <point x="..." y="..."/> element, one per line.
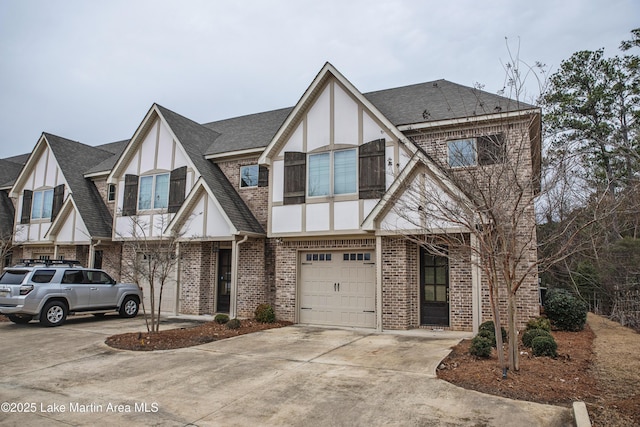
<point x="13" y="277"/>
<point x="42" y="276"/>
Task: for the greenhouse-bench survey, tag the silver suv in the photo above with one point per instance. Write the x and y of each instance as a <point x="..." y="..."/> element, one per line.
<point x="50" y="290"/>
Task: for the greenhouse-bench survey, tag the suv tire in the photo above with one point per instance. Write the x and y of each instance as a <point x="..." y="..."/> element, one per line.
<point x="21" y="319"/>
<point x="54" y="313"/>
<point x="129" y="307"/>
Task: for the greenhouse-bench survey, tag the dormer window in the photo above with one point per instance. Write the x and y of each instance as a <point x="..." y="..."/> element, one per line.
<point x="153" y="192"/>
<point x="42" y="204"/>
<point x="333" y="173"/>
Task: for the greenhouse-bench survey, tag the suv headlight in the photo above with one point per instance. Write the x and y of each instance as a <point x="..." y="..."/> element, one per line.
<point x="25" y="289"/>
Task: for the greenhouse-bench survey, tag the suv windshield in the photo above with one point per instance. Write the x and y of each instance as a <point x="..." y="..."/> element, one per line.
<point x="13" y="277"/>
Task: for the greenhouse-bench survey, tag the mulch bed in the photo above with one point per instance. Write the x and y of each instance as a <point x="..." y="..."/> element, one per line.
<point x="559" y="381"/>
<point x="186" y="337"/>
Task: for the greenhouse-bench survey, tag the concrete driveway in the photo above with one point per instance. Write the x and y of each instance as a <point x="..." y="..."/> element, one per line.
<point x="294" y="376"/>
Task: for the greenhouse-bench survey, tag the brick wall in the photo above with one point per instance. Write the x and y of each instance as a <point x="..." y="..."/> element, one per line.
<point x="253" y="286"/>
<point x="256" y="198"/>
<point x="197" y="278"/>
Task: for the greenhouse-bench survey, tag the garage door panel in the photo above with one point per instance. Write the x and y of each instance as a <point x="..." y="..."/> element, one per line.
<point x="338" y="291"/>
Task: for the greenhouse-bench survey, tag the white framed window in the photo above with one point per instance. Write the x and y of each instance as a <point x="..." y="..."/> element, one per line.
<point x="42" y="204"/>
<point x="249" y="176"/>
<point x="153" y="192"/>
<point x="111" y="192"/>
<point x="462" y="152"/>
<point x="332" y="173"/>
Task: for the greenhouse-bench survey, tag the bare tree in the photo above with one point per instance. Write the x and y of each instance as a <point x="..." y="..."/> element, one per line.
<point x="150" y="261"/>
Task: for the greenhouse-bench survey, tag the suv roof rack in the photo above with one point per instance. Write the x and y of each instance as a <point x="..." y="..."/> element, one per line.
<point x="30" y="262"/>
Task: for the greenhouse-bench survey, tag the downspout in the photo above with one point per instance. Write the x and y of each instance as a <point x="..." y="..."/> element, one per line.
<point x="476" y="289"/>
<point x="379" y="283"/>
<point x="233" y="309"/>
<point x="176" y="306"/>
<point x="92" y="253"/>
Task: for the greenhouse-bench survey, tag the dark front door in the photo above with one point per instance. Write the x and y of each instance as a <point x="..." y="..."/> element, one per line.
<point x="434" y="289"/>
<point x="223" y="296"/>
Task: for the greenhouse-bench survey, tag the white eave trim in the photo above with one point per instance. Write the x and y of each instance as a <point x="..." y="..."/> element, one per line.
<point x="238" y="153"/>
<point x="466" y="120"/>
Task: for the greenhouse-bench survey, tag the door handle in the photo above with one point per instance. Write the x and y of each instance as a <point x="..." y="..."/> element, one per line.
<point x="94" y="289"/>
<point x="67" y="289"/>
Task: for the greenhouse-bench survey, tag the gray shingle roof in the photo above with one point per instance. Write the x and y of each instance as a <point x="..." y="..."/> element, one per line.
<point x="246" y="132"/>
<point x="195" y="139"/>
<point x="438" y="100"/>
<point x="74" y="158"/>
<point x="418" y="103"/>
<point x="116" y="148"/>
<point x="9" y="171"/>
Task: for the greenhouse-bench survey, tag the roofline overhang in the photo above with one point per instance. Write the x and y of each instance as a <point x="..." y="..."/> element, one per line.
<point x="28" y="166"/>
<point x="97" y="174"/>
<point x="467" y="120"/>
<point x="238" y="153"/>
<point x="310" y="93"/>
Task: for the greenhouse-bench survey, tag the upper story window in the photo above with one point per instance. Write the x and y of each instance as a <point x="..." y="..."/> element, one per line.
<point x="333" y="173"/>
<point x="153" y="192"/>
<point x="42" y="204"/>
<point x="355" y="171"/>
<point x="249" y="176"/>
<point x="160" y="191"/>
<point x="484" y="150"/>
<point x="111" y="192"/>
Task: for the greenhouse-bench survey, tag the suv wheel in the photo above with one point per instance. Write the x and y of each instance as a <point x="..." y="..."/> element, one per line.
<point x="53" y="314"/>
<point x="20" y="319"/>
<point x="129" y="307"/>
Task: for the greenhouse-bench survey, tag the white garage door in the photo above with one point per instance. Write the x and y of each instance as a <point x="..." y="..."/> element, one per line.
<point x="168" y="295"/>
<point x="338" y="288"/>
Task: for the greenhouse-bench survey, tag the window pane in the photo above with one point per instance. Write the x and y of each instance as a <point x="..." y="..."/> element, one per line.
<point x="441" y="293"/>
<point x="319" y="174"/>
<point x="429" y="275"/>
<point x="429" y="294"/>
<point x="161" y="200"/>
<point x="441" y="275"/>
<point x="462" y="152"/>
<point x="47" y="203"/>
<point x="344" y="172"/>
<point x="249" y="176"/>
<point x="36" y="205"/>
<point x="144" y="192"/>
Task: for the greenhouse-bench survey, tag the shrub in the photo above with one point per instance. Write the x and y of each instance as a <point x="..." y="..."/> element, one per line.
<point x="264" y="314"/>
<point x="480" y="346"/>
<point x="544" y="346"/>
<point x="221" y="318"/>
<point x="489" y="326"/>
<point x="233" y="324"/>
<point x="565" y="311"/>
<point x="530" y="334"/>
<point x="539" y="323"/>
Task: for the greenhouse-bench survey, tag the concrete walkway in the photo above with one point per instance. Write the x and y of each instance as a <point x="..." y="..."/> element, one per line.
<point x="294" y="376"/>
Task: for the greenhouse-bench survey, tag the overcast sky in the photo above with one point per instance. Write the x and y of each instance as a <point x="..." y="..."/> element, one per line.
<point x="90" y="70"/>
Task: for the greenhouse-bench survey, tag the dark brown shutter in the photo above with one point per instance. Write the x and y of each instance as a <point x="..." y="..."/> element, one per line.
<point x="177" y="188"/>
<point x="130" y="203"/>
<point x="372" y="171"/>
<point x="58" y="198"/>
<point x="491" y="149"/>
<point x="27" y="197"/>
<point x="263" y="176"/>
<point x="295" y="177"/>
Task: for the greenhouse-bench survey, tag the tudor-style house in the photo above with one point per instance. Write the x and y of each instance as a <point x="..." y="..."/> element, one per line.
<point x="291" y="207"/>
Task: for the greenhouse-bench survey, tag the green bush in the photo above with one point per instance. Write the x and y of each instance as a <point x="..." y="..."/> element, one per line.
<point x="233" y="324"/>
<point x="490" y="327"/>
<point x="264" y="314"/>
<point x="565" y="311"/>
<point x="544" y="346"/>
<point x="530" y="334"/>
<point x="539" y="323"/>
<point x="221" y="318"/>
<point x="480" y="346"/>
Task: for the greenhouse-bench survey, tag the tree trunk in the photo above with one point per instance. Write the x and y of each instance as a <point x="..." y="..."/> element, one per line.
<point x="514" y="362"/>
